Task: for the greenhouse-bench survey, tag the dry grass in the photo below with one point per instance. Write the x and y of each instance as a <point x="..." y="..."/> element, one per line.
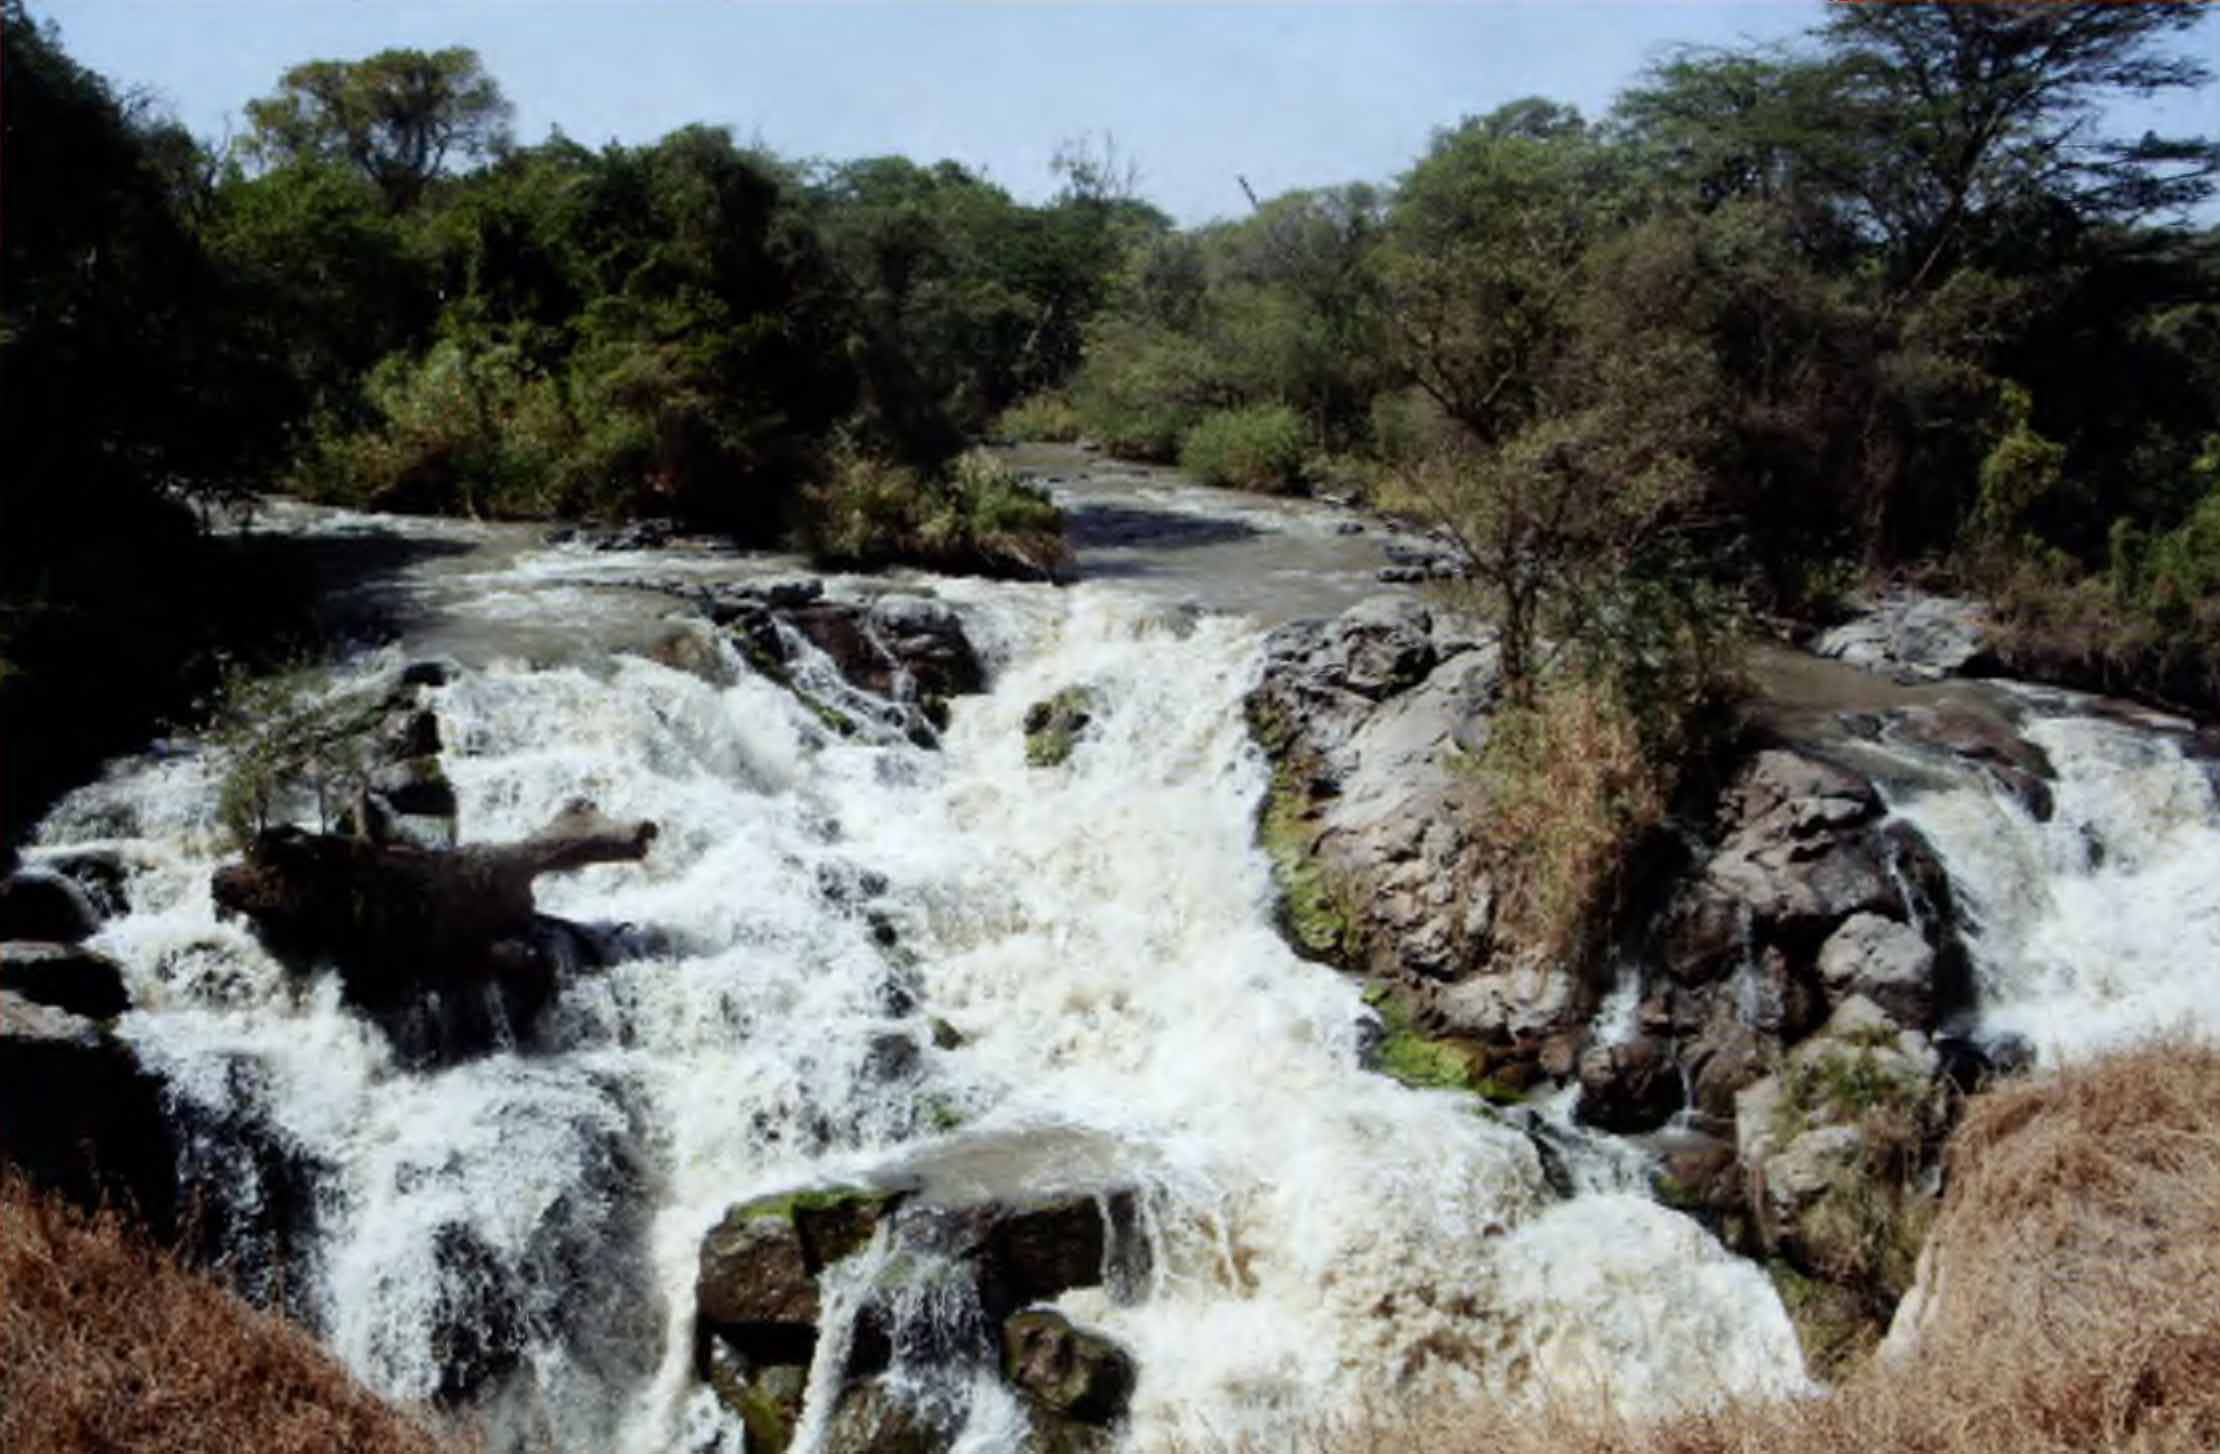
<point x="1569" y="788"/>
<point x="2079" y="1252"/>
<point x="108" y="1345"/>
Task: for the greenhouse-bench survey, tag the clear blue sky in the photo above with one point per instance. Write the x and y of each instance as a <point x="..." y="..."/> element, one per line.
<point x="1288" y="95"/>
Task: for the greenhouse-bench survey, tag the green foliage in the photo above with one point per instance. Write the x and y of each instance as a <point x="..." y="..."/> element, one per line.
<point x="1260" y="447"/>
<point x="977" y="517"/>
<point x="1143" y="387"/>
<point x="289" y="743"/>
<point x="2020" y="472"/>
<point x="1048" y="418"/>
<point x="394" y="117"/>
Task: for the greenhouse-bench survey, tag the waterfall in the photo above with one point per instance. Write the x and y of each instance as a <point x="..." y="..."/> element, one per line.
<point x="521" y="1230"/>
<point x="2101" y="924"/>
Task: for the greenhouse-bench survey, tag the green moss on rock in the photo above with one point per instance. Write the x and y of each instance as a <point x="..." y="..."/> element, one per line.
<point x="1428" y="1062"/>
<point x="834" y="1222"/>
<point x="1054" y="725"/>
<point x="1313" y="910"/>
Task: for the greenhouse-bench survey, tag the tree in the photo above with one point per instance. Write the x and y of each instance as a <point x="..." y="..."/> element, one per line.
<point x="396" y="117"/>
<point x="1976" y="119"/>
<point x="1484" y="249"/>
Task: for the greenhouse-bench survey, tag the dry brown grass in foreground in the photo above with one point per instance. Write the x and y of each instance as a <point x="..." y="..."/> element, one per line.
<point x="107" y="1345"/>
<point x="2079" y="1258"/>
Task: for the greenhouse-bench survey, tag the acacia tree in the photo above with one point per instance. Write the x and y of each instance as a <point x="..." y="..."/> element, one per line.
<point x="397" y="117"/>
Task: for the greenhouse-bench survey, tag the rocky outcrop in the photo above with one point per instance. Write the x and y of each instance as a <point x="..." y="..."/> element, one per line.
<point x="954" y="1287"/>
<point x="1913" y="636"/>
<point x="1784" y="967"/>
<point x="885" y="664"/>
<point x="1370" y="721"/>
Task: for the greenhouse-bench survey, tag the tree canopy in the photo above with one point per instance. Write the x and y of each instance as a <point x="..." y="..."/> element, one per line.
<point x="397" y="117"/>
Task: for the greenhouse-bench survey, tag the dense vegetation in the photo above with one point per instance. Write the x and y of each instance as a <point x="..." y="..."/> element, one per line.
<point x="1779" y="321"/>
<point x="1884" y="303"/>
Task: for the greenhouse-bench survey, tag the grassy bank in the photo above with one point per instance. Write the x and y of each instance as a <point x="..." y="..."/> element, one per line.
<point x="107" y="1345"/>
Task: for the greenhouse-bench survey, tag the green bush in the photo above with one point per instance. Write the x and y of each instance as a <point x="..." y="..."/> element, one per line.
<point x="1142" y="388"/>
<point x="459" y="430"/>
<point x="288" y="743"/>
<point x="1044" y="418"/>
<point x="975" y="517"/>
<point x="1257" y="448"/>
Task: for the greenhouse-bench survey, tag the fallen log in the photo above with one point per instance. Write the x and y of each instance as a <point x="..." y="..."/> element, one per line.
<point x="397" y="919"/>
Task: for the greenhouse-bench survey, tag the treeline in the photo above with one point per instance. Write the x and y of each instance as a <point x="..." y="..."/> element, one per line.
<point x="378" y="298"/>
<point x="1780" y="319"/>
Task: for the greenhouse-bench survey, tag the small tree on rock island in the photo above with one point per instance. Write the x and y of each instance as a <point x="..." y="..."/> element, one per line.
<point x="1573" y="406"/>
<point x="398" y="117"/>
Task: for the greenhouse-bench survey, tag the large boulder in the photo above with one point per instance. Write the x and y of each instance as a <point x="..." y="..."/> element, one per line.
<point x="890" y="664"/>
<point x="80" y="1115"/>
<point x="1886" y="961"/>
<point x="952" y="1278"/>
<point x="37" y="903"/>
<point x="1066" y="1370"/>
<point x="66" y="977"/>
<point x="1913" y="636"/>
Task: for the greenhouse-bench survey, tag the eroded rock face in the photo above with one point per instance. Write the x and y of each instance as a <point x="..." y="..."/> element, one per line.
<point x="1370" y="720"/>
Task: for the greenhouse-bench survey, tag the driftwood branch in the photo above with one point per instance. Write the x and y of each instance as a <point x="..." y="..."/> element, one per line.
<point x="394" y="917"/>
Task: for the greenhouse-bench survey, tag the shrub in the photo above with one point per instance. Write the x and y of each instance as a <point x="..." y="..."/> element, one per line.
<point x="289" y="743"/>
<point x="464" y="431"/>
<point x="108" y="1344"/>
<point x="1257" y="448"/>
<point x="1142" y="388"/>
<point x="1047" y="418"/>
<point x="975" y="517"/>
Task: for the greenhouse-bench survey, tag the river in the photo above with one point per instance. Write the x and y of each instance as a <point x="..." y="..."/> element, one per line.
<point x="1100" y="937"/>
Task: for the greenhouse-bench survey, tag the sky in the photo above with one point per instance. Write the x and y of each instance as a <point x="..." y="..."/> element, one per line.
<point x="1195" y="96"/>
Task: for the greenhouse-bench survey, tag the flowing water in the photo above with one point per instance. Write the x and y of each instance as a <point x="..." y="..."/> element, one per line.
<point x="1099" y="934"/>
<point x="2100" y="925"/>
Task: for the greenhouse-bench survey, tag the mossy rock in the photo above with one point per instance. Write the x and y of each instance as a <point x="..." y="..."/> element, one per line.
<point x="767" y="1397"/>
<point x="1066" y="1370"/>
<point x="1313" y="908"/>
<point x="1440" y="1062"/>
<point x="1054" y="725"/>
<point x="834" y="1222"/>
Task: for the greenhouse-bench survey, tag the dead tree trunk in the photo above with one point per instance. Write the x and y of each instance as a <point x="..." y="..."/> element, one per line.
<point x="397" y="919"/>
